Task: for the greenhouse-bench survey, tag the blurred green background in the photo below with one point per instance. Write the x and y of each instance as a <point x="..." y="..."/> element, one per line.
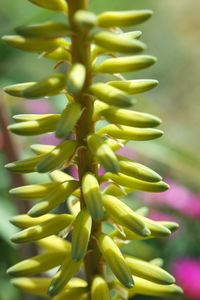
<point x="172" y="35"/>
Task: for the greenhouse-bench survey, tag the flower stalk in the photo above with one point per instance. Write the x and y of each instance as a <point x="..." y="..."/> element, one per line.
<point x="97" y="51"/>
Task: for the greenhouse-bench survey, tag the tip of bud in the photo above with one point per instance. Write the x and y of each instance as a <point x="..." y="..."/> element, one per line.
<point x="146" y="231"/>
<point x="9" y="166"/>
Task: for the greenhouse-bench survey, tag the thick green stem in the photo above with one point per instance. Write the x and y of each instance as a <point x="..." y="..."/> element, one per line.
<point x="85" y="126"/>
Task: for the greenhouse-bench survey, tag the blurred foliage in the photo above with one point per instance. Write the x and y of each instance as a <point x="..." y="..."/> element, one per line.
<point x="173" y="36"/>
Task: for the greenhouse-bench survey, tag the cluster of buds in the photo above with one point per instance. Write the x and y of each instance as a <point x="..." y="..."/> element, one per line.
<point x="96" y="51"/>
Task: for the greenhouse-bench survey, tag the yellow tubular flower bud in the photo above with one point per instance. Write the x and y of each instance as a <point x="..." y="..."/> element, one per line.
<point x="114" y="190"/>
<point x="172" y="226"/>
<point x="112" y="42"/>
<point x="60" y="176"/>
<point x="148" y="271"/>
<point x="37" y="45"/>
<point x="32" y="286"/>
<point x="129" y="117"/>
<point x="76" y="78"/>
<point x="99" y="289"/>
<point x="125" y="64"/>
<point x="103" y="153"/>
<point x="111" y="95"/>
<point x="54" y="198"/>
<point x="80" y="293"/>
<point x="81" y="234"/>
<point x="50" y="29"/>
<point x="123" y="18"/>
<point x="24" y="221"/>
<point x="55" y="5"/>
<point x="53" y="84"/>
<point x="134" y="86"/>
<point x="50" y="85"/>
<point x="36" y="127"/>
<point x="68" y="120"/>
<point x="37" y="264"/>
<point x="130" y="133"/>
<point x="136" y="184"/>
<point x="138" y="171"/>
<point x="34" y="191"/>
<point x="59" y="54"/>
<point x="55" y="244"/>
<point x="85" y="19"/>
<point x="115" y="260"/>
<point x="131" y="34"/>
<point x="125" y="216"/>
<point x="61" y="153"/>
<point x="44" y="229"/>
<point x="25" y="166"/>
<point x="41" y="149"/>
<point x="92" y="196"/>
<point x="31" y="117"/>
<point x="68" y="268"/>
<point x="16" y="90"/>
<point x="145" y="287"/>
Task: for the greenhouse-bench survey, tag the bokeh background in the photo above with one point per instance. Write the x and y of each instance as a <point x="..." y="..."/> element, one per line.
<point x="173" y="36"/>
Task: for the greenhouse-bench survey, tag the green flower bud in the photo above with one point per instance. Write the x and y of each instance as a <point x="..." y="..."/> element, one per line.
<point x="81" y="235"/>
<point x="56" y="5"/>
<point x="115" y="260"/>
<point x="138" y="171"/>
<point x="33" y="191"/>
<point x="42" y="149"/>
<point x="85" y="19"/>
<point x="60" y="154"/>
<point x="68" y="268"/>
<point x="92" y="196"/>
<point x="103" y="153"/>
<point x="25" y="166"/>
<point x="145" y="287"/>
<point x="32" y="285"/>
<point x="54" y="243"/>
<point x="44" y="229"/>
<point x="37" y="264"/>
<point x="125" y="64"/>
<point x="36" y="127"/>
<point x="111" y="95"/>
<point x="123" y="18"/>
<point x="114" y="42"/>
<point x="76" y="78"/>
<point x="134" y="86"/>
<point x="125" y="216"/>
<point x="54" y="198"/>
<point x="129" y="118"/>
<point x="99" y="289"/>
<point x="136" y="184"/>
<point x="24" y="221"/>
<point x="68" y="120"/>
<point x="34" y="44"/>
<point x="148" y="271"/>
<point x="130" y="133"/>
<point x="45" y="30"/>
<point x="59" y="54"/>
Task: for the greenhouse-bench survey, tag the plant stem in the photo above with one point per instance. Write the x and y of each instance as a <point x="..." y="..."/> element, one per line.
<point x="85" y="126"/>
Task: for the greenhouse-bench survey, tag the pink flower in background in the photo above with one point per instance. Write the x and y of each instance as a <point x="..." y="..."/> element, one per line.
<point x="49" y="139"/>
<point x="178" y="198"/>
<point x="127" y="152"/>
<point x="187" y="273"/>
<point x="160" y="216"/>
<point x="42" y="106"/>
